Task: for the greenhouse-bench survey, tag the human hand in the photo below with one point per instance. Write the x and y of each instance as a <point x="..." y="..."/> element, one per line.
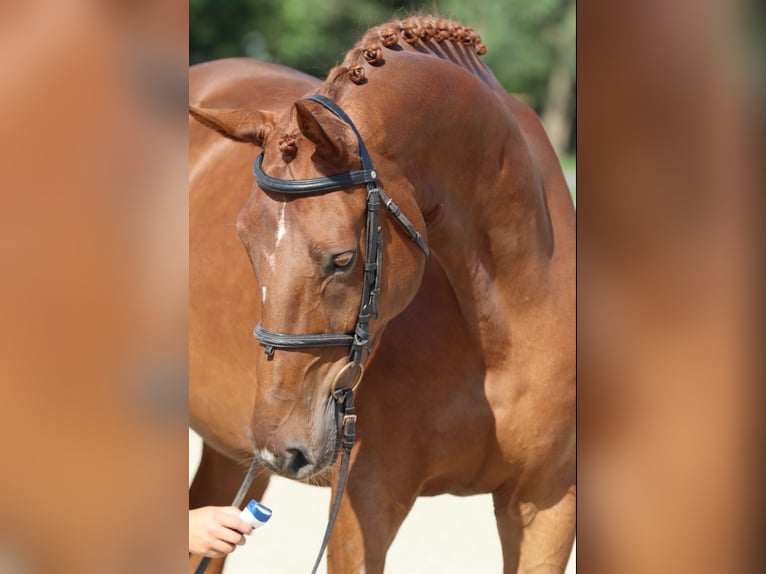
<point x="214" y="531"/>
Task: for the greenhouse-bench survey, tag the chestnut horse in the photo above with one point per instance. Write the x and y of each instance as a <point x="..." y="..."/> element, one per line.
<point x="469" y="357"/>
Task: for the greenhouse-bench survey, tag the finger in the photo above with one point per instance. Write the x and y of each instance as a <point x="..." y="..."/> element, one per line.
<point x="244" y="527"/>
<point x="228" y="535"/>
<point x="232" y="520"/>
<point x="222" y="547"/>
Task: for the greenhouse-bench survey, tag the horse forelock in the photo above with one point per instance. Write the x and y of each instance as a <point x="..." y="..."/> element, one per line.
<point x="423" y="33"/>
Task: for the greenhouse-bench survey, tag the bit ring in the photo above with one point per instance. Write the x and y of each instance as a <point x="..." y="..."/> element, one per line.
<point x="343" y="371"/>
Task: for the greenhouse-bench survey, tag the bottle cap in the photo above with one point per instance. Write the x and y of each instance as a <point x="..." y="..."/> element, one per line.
<point x="259" y="511"/>
<point x="255" y="514"/>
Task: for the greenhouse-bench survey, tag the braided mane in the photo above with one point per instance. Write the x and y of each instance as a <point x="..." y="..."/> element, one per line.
<point x="441" y="37"/>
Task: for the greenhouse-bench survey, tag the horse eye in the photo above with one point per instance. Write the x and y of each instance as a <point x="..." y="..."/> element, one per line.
<point x="343" y="261"/>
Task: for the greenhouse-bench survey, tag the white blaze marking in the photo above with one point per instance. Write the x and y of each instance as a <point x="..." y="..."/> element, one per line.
<point x="271" y="258"/>
<point x="281" y="229"/>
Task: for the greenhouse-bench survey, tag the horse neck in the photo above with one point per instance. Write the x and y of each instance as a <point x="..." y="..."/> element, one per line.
<point x="478" y="189"/>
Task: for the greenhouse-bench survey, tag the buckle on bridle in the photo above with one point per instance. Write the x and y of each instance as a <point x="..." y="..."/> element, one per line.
<point x="345" y="400"/>
<point x="349" y="431"/>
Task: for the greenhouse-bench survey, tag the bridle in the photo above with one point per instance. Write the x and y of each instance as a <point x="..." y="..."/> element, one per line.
<point x="359" y="340"/>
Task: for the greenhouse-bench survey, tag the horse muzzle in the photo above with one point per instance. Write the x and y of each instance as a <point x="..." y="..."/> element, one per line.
<point x="300" y="456"/>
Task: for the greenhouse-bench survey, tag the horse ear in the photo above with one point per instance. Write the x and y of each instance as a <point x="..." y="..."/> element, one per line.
<point x="331" y="136"/>
<point x="239" y="125"/>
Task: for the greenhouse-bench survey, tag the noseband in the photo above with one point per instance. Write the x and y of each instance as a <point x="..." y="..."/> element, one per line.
<point x="359" y="340"/>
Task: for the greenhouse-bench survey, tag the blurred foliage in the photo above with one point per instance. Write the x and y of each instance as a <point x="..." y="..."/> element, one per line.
<point x="526" y="39"/>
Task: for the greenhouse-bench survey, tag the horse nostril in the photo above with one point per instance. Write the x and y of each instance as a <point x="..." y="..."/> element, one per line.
<point x="296" y="460"/>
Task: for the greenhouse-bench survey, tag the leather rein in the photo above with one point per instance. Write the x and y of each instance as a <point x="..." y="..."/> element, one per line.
<point x="359" y="340"/>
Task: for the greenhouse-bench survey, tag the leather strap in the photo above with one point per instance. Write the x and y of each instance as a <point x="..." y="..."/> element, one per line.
<point x="272" y="340"/>
<point x="314" y="185"/>
<point x="238" y="498"/>
<point x="365" y="176"/>
<point x="345" y="398"/>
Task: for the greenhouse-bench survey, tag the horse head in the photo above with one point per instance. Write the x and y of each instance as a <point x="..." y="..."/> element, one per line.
<point x="332" y="273"/>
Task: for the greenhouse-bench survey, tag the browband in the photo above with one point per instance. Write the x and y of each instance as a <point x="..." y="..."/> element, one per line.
<point x="314" y="185"/>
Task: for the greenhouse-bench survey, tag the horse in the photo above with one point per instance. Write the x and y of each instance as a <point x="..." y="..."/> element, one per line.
<point x="463" y="348"/>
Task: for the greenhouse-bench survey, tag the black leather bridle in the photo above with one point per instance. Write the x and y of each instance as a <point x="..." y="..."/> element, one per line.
<point x="359" y="340"/>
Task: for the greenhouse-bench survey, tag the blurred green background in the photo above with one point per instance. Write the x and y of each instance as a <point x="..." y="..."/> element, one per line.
<point x="531" y="43"/>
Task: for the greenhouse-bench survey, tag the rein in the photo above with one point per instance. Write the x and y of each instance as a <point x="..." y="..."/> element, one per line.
<point x="347" y="417"/>
<point x="238" y="498"/>
<point x="348" y="432"/>
<point x="359" y="340"/>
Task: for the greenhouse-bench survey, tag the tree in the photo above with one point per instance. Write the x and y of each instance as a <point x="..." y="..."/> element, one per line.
<point x="531" y="50"/>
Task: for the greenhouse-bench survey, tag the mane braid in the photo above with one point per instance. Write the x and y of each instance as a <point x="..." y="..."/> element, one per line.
<point x="423" y="33"/>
